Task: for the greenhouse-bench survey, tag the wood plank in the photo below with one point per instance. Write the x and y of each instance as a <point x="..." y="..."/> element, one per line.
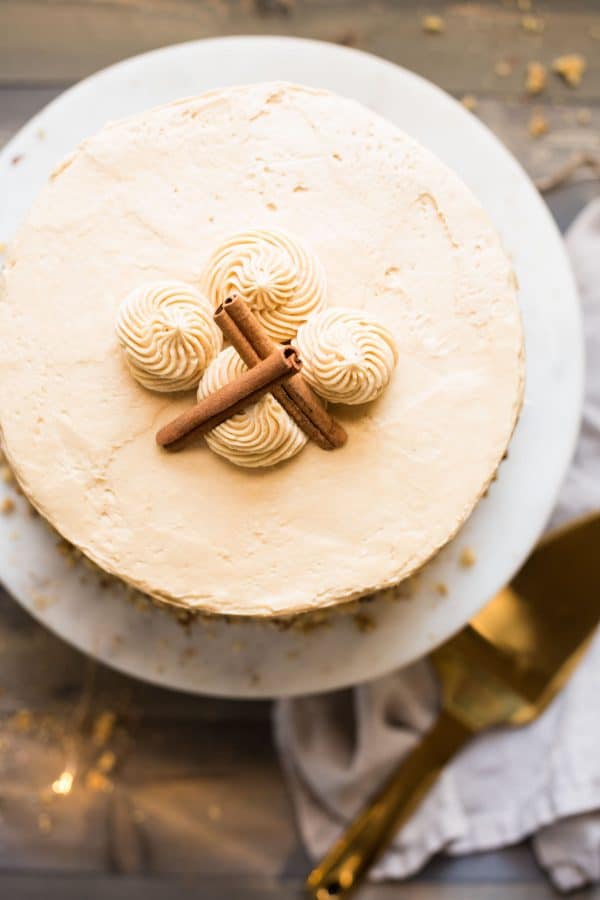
<point x="64" y="40"/>
<point x="98" y="887"/>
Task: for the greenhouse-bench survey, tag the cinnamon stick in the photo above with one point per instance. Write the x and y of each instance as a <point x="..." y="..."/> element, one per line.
<point x="237" y="338"/>
<point x="231" y="398"/>
<point x="248" y="324"/>
<point x="241" y="327"/>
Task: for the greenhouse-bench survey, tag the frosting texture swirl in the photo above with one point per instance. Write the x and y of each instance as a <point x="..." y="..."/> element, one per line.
<point x="261" y="435"/>
<point x="281" y="279"/>
<point x="347" y="355"/>
<point x="168" y="334"/>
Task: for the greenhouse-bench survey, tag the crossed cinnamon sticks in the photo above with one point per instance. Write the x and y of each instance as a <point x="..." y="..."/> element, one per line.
<point x="270" y="368"/>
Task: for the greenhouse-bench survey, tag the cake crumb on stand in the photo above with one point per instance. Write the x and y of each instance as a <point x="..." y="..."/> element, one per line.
<point x="42" y="602"/>
<point x="7" y="475"/>
<point x="467" y="557"/>
<point x="7" y="507"/>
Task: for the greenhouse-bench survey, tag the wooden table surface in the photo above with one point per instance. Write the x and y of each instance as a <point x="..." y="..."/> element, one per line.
<point x="176" y="796"/>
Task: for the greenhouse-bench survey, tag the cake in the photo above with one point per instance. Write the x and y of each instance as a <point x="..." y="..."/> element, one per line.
<point x="346" y="238"/>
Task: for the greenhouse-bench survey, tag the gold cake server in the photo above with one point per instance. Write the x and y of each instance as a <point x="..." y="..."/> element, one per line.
<point x="504" y="668"/>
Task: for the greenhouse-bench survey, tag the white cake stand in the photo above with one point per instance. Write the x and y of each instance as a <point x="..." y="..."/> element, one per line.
<point x="258" y="660"/>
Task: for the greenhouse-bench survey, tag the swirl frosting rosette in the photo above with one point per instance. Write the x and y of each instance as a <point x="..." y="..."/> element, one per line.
<point x="167" y="331"/>
<point x="347" y="355"/>
<point x="261" y="435"/>
<point x="282" y="281"/>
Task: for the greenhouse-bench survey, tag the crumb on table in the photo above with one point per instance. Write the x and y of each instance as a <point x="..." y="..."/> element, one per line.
<point x="432" y="24"/>
<point x="532" y="24"/>
<point x="503" y="68"/>
<point x="536" y="78"/>
<point x="469" y="101"/>
<point x="538" y="125"/>
<point x="570" y="67"/>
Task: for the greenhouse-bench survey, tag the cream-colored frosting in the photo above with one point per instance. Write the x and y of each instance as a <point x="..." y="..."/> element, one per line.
<point x="278" y="276"/>
<point x="262" y="435"/>
<point x="399" y="237"/>
<point x="168" y="334"/>
<point x="348" y="356"/>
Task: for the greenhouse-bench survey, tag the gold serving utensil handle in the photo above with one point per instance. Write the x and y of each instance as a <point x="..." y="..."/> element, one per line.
<point x="354" y="853"/>
<point x="503" y="668"/>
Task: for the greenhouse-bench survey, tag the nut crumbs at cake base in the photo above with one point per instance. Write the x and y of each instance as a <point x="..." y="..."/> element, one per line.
<point x="364" y="623"/>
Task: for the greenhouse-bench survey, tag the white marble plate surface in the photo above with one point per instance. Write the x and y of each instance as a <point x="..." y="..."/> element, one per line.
<point x="258" y="660"/>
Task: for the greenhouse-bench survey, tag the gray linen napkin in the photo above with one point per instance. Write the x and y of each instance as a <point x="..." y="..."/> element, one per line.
<point x="542" y="780"/>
